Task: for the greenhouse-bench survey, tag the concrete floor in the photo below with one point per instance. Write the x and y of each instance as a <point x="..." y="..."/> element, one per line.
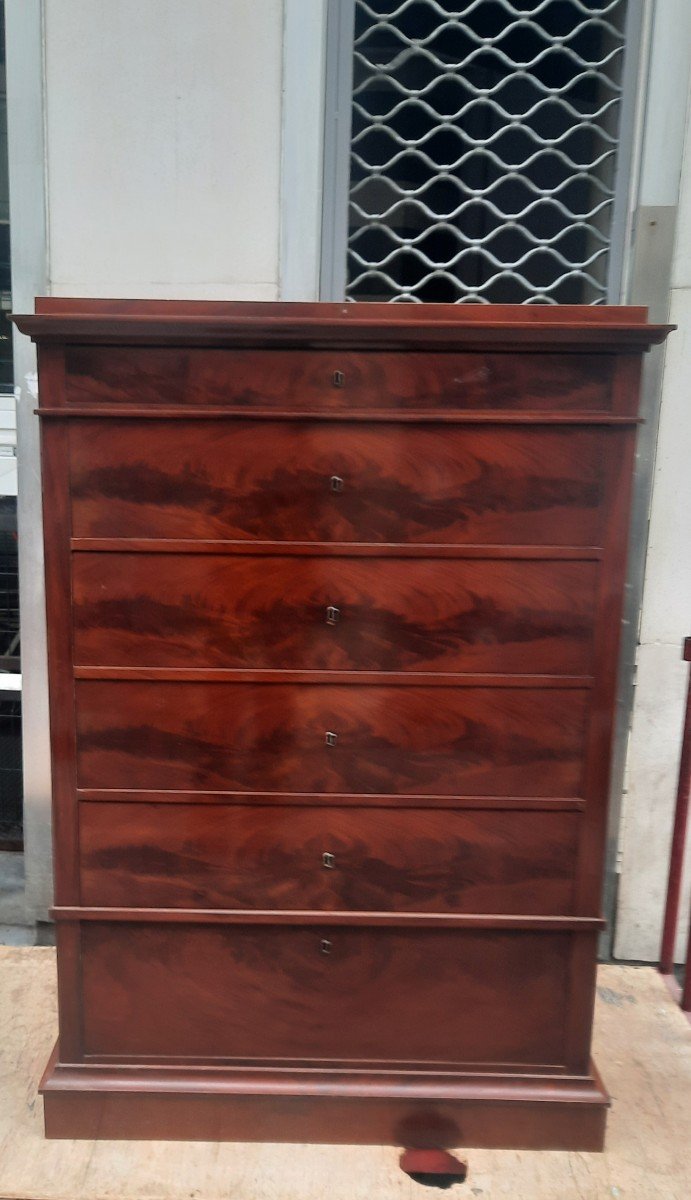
<point x="14" y="927"/>
<point x="643" y="1048"/>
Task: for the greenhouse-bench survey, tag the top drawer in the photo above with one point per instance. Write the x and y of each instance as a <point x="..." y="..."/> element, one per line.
<point x="350" y="482"/>
<point x="333" y="380"/>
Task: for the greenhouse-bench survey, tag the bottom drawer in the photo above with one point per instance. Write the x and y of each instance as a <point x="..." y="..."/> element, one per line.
<point x="271" y="992"/>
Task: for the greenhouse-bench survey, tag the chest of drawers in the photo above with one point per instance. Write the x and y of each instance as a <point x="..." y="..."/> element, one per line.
<point x="333" y="600"/>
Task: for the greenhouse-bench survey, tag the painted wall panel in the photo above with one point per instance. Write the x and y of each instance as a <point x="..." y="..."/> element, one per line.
<point x="163" y="144"/>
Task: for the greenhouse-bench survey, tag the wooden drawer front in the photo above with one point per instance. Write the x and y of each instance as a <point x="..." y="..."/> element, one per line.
<point x="424" y="484"/>
<point x="374" y="859"/>
<point x="172" y="610"/>
<point x="273" y="738"/>
<point x="259" y="992"/>
<point x="327" y="380"/>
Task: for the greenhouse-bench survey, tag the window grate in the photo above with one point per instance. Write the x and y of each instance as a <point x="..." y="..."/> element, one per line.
<point x="484" y="150"/>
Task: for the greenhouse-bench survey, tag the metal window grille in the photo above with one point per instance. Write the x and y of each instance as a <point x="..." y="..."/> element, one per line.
<point x="484" y="159"/>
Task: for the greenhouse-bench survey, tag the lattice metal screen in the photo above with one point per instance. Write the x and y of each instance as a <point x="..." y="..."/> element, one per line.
<point x="484" y="150"/>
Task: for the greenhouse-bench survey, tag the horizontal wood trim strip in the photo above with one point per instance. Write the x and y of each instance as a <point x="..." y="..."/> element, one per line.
<point x="335" y="800"/>
<point x="127" y="545"/>
<point x="268" y="311"/>
<point x="394" y="416"/>
<point x="305" y="917"/>
<point x="308" y="1078"/>
<point x="305" y="1066"/>
<point x="358" y="332"/>
<point x="398" y="678"/>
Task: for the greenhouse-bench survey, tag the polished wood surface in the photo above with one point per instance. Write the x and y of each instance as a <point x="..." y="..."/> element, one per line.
<point x="333" y="994"/>
<point x="333" y="597"/>
<point x="333" y="614"/>
<point x="323" y="380"/>
<point x="341" y="1108"/>
<point x="575" y="328"/>
<point x="334" y="738"/>
<point x="273" y="481"/>
<point x="228" y="856"/>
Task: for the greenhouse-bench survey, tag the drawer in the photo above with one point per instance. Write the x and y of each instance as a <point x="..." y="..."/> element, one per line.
<point x="394" y="614"/>
<point x="273" y="481"/>
<point x="273" y="738"/>
<point x="260" y="992"/>
<point x="329" y="380"/>
<point x="370" y="859"/>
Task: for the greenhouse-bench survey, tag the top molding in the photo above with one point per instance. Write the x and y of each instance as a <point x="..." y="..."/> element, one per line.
<point x="608" y="329"/>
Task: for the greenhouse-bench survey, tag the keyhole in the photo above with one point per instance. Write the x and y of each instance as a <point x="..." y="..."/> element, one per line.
<point x="325" y="946"/>
<point x="338" y="379"/>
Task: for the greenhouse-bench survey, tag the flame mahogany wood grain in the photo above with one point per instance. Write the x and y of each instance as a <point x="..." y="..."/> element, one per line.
<point x="433" y="986"/>
<point x="272" y="993"/>
<point x="227" y="856"/>
<point x="271" y="481"/>
<point x="393" y="615"/>
<point x="272" y="738"/>
<point x="267" y="378"/>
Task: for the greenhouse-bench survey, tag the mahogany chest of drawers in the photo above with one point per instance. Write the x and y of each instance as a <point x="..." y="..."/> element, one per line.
<point x="333" y="600"/>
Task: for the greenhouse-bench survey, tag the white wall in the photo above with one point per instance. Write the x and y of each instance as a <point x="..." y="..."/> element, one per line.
<point x="163" y="124"/>
<point x="655" y="741"/>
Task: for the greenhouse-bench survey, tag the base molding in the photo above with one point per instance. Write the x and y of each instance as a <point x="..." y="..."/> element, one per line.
<point x="245" y="1104"/>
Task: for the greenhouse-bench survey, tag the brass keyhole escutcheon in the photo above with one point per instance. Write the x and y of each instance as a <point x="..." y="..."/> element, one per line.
<point x="325" y="946"/>
<point x="333" y="615"/>
<point x="328" y="861"/>
<point x="330" y="738"/>
<point x="338" y="379"/>
<point x="336" y="484"/>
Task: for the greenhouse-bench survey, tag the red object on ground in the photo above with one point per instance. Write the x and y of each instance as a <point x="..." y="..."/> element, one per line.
<point x="436" y="1168"/>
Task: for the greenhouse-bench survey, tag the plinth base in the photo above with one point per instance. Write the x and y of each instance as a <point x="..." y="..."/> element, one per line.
<point x="411" y="1109"/>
